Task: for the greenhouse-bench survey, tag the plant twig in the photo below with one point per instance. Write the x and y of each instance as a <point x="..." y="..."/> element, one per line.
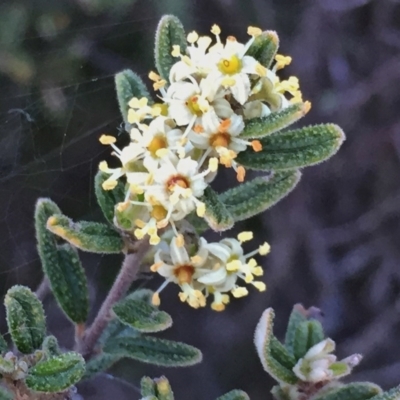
<point x="43" y="289"/>
<point x="126" y="276"/>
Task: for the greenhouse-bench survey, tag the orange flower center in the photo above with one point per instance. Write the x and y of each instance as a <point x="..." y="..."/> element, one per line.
<point x="158" y="212"/>
<point x="157" y="143"/>
<point x="177" y="180"/>
<point x="221" y="139"/>
<point x="192" y="104"/>
<point x="184" y="273"/>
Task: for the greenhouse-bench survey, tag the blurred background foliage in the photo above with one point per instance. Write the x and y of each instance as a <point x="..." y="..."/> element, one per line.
<point x="335" y="239"/>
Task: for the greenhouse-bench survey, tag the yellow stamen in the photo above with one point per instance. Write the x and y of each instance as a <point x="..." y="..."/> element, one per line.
<point x="201" y="209"/>
<point x="213" y="164"/>
<point x="224" y="125"/>
<point x="261" y="70"/>
<point x="176" y="51"/>
<point x="307" y="106"/>
<point x="254" y="31"/>
<point x="156" y="266"/>
<point x="261" y="286"/>
<point x="256" y="145"/>
<point x="107" y="139"/>
<point x="121" y="207"/>
<point x="153" y="76"/>
<point x="241" y="173"/>
<point x="155" y="299"/>
<point x="192" y="37"/>
<point x="218" y="306"/>
<point x="239" y="292"/>
<point x="196" y="259"/>
<point x="138" y="103"/>
<point x="215" y="30"/>
<point x="103" y="166"/>
<point x="160" y="84"/>
<point x="139" y="223"/>
<point x="245" y="236"/>
<point x="109" y="184"/>
<point x="282" y="61"/>
<point x="233" y="266"/>
<point x="160" y="109"/>
<point x="154" y="240"/>
<point x="180" y="241"/>
<point x="264" y="249"/>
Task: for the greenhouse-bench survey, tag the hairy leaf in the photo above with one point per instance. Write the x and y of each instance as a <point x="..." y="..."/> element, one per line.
<point x="255" y="196"/>
<point x="294" y="149"/>
<point x="262" y="340"/>
<point x="142" y="316"/>
<point x="57" y="373"/>
<point x="107" y="199"/>
<point x="129" y="85"/>
<point x="6" y="366"/>
<point x="169" y="32"/>
<point x="297" y="316"/>
<point x="147" y="387"/>
<point x="61" y="265"/>
<point x="352" y="391"/>
<point x="25" y="319"/>
<point x="260" y="127"/>
<point x="264" y="48"/>
<point x="280" y="353"/>
<point x="164" y="390"/>
<point x="392" y="394"/>
<point x="88" y="236"/>
<point x="307" y="334"/>
<point x="217" y="215"/>
<point x="235" y="395"/>
<point x="3" y="345"/>
<point x="99" y="363"/>
<point x="151" y="350"/>
<point x="50" y="346"/>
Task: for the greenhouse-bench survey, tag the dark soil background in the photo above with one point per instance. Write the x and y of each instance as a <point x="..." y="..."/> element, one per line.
<point x="335" y="239"/>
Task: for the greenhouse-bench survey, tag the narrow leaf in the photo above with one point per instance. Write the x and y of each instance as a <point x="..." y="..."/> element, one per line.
<point x="142" y="316"/>
<point x="25" y="319"/>
<point x="62" y="266"/>
<point x="170" y="32"/>
<point x="279" y="352"/>
<point x="264" y="48"/>
<point x="57" y="373"/>
<point x="257" y="128"/>
<point x="297" y="316"/>
<point x="217" y="215"/>
<point x="315" y="333"/>
<point x="307" y="334"/>
<point x="50" y="346"/>
<point x="88" y="236"/>
<point x="235" y="395"/>
<point x="107" y="199"/>
<point x="294" y="149"/>
<point x="129" y="85"/>
<point x="392" y="394"/>
<point x="262" y="340"/>
<point x="352" y="391"/>
<point x="99" y="363"/>
<point x="147" y="387"/>
<point x="150" y="350"/>
<point x="255" y="196"/>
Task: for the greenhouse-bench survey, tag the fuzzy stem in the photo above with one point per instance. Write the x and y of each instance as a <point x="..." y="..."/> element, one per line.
<point x="122" y="283"/>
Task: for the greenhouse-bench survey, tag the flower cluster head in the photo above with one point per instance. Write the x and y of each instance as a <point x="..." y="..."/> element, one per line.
<point x="177" y="144"/>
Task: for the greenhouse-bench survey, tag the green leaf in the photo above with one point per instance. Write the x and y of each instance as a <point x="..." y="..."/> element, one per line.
<point x="142" y="316"/>
<point x="294" y="149"/>
<point x="278" y="393"/>
<point x="392" y="394"/>
<point x="57" y="373"/>
<point x="255" y="196"/>
<point x="50" y="346"/>
<point x="170" y="32"/>
<point x="307" y="334"/>
<point x="25" y="319"/>
<point x="164" y="390"/>
<point x="262" y="339"/>
<point x="5" y="394"/>
<point x="297" y="316"/>
<point x="88" y="236"/>
<point x="340" y="369"/>
<point x="151" y="350"/>
<point x="315" y="333"/>
<point x="6" y="366"/>
<point x="217" y="215"/>
<point x="235" y="395"/>
<point x="3" y="345"/>
<point x="107" y="199"/>
<point x="257" y="128"/>
<point x="280" y="353"/>
<point x="352" y="391"/>
<point x="99" y="363"/>
<point x="129" y="85"/>
<point x="62" y="266"/>
<point x="147" y="387"/>
<point x="264" y="48"/>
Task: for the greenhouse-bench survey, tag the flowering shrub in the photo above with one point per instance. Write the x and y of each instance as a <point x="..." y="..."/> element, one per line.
<point x="218" y="103"/>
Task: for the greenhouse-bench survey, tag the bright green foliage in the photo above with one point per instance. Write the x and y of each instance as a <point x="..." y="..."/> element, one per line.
<point x="257" y="128"/>
<point x="156" y="389"/>
<point x="294" y="149"/>
<point x="129" y="85"/>
<point x="25" y="319"/>
<point x="393" y="394"/>
<point x="280" y="353"/>
<point x="6" y="366"/>
<point x="259" y="194"/>
<point x="61" y="265"/>
<point x="307" y="334"/>
<point x="50" y="346"/>
<point x="88" y="236"/>
<point x="147" y="387"/>
<point x="297" y="316"/>
<point x="107" y="199"/>
<point x="3" y="345"/>
<point x="5" y="394"/>
<point x="352" y="391"/>
<point x="169" y="32"/>
<point x="57" y="373"/>
<point x="99" y="363"/>
<point x="142" y="316"/>
<point x="263" y="339"/>
<point x="217" y="215"/>
<point x="151" y="350"/>
<point x="264" y="48"/>
<point x="235" y="395"/>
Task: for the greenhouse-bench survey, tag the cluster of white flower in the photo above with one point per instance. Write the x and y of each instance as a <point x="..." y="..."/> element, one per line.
<point x="177" y="144"/>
